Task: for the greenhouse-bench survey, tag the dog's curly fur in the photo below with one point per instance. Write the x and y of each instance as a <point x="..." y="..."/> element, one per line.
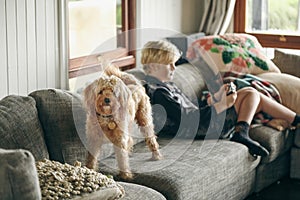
<point x="113" y="103"/>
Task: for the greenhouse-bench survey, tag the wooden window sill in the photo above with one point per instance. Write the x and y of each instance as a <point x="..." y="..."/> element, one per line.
<point x="91" y="64"/>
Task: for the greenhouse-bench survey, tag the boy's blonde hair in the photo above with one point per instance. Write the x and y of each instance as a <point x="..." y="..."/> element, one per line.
<point x="161" y="52"/>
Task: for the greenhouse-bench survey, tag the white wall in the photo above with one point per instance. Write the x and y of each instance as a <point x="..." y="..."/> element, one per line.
<point x="158" y="19"/>
<point x="30" y="47"/>
<point x="182" y="16"/>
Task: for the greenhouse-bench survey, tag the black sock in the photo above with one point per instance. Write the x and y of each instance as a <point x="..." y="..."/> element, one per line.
<point x="296" y="120"/>
<point x="241" y="136"/>
<point x="242" y="127"/>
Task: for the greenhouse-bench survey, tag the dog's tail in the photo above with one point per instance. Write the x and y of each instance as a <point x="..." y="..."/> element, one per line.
<point x="113" y="70"/>
<point x="127" y="78"/>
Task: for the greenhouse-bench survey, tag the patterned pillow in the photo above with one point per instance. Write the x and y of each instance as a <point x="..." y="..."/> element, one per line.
<point x="233" y="52"/>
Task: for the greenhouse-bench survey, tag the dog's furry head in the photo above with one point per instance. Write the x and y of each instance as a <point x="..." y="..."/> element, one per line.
<point x="106" y="95"/>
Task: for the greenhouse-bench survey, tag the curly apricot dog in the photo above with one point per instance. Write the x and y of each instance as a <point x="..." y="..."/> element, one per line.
<point x="113" y="103"/>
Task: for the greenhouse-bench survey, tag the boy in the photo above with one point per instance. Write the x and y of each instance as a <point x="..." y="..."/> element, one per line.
<point x="238" y="108"/>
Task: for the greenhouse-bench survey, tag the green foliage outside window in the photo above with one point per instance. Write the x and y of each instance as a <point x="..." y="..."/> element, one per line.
<point x="283" y="15"/>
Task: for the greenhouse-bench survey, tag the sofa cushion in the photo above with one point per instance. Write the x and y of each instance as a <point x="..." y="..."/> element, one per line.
<point x="63" y="120"/>
<point x="191" y="86"/>
<point x="288" y="87"/>
<point x="288" y="61"/>
<point x="18" y="176"/>
<point x="233" y="52"/>
<point x="295" y="163"/>
<point x="200" y="169"/>
<point x="135" y="191"/>
<point x="20" y="127"/>
<point x="268" y="173"/>
<point x="276" y="142"/>
<point x="297" y="138"/>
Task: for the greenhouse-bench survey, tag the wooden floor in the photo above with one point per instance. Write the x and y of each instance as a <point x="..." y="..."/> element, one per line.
<point x="286" y="189"/>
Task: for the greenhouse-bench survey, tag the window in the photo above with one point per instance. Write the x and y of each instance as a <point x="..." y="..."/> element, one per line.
<point x="276" y="23"/>
<point x="100" y="28"/>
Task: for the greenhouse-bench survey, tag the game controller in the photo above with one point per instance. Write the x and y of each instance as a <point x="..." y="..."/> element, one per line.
<point x="231" y="88"/>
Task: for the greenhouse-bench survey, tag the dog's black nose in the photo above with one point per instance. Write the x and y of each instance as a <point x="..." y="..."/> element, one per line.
<point x="106" y="100"/>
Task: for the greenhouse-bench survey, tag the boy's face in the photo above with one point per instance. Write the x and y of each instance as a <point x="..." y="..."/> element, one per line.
<point x="163" y="72"/>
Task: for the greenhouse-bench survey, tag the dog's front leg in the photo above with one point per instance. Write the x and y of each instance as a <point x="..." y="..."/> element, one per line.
<point x="94" y="143"/>
<point x="92" y="157"/>
<point x="91" y="161"/>
<point x="123" y="162"/>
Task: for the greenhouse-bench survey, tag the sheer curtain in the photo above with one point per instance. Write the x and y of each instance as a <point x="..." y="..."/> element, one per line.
<point x="217" y="16"/>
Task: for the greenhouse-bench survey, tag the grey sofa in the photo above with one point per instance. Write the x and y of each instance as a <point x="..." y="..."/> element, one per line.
<point x="210" y="169"/>
<point x="41" y="126"/>
<point x="50" y="124"/>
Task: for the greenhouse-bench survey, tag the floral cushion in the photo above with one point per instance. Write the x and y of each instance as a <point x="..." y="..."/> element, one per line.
<point x="233" y="52"/>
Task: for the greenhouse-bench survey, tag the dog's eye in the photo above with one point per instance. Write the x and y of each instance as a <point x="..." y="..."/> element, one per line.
<point x="100" y="92"/>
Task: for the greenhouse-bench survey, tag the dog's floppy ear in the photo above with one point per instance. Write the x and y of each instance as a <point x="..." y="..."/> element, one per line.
<point x="89" y="96"/>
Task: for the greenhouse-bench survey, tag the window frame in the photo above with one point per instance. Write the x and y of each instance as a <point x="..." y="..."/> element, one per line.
<point x="123" y="57"/>
<point x="266" y="39"/>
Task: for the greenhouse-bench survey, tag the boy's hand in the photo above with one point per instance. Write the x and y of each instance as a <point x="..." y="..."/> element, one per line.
<point x="226" y="101"/>
<point x="231" y="87"/>
<point x="228" y="88"/>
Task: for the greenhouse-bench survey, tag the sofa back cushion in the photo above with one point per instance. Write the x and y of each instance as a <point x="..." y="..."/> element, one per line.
<point x="187" y="77"/>
<point x="288" y="87"/>
<point x="63" y="119"/>
<point x="288" y="61"/>
<point x="190" y="80"/>
<point x="20" y="127"/>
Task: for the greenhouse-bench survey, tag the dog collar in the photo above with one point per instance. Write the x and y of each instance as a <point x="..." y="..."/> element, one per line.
<point x="104" y="116"/>
<point x="111" y="124"/>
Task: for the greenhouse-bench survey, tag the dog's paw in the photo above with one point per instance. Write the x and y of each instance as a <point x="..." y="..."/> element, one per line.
<point x="126" y="175"/>
<point x="156" y="155"/>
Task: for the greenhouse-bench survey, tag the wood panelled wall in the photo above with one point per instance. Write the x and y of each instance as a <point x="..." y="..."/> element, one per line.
<point x="29" y="51"/>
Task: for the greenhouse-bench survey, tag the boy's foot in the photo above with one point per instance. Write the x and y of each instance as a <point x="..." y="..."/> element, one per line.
<point x="254" y="147"/>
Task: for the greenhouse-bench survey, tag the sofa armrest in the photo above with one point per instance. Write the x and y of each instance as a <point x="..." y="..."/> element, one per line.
<point x="18" y="175"/>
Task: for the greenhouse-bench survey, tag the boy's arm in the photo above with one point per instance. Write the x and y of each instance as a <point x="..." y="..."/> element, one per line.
<point x="171" y="105"/>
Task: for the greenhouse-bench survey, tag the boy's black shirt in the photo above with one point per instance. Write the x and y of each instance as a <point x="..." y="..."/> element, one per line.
<point x="180" y="112"/>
